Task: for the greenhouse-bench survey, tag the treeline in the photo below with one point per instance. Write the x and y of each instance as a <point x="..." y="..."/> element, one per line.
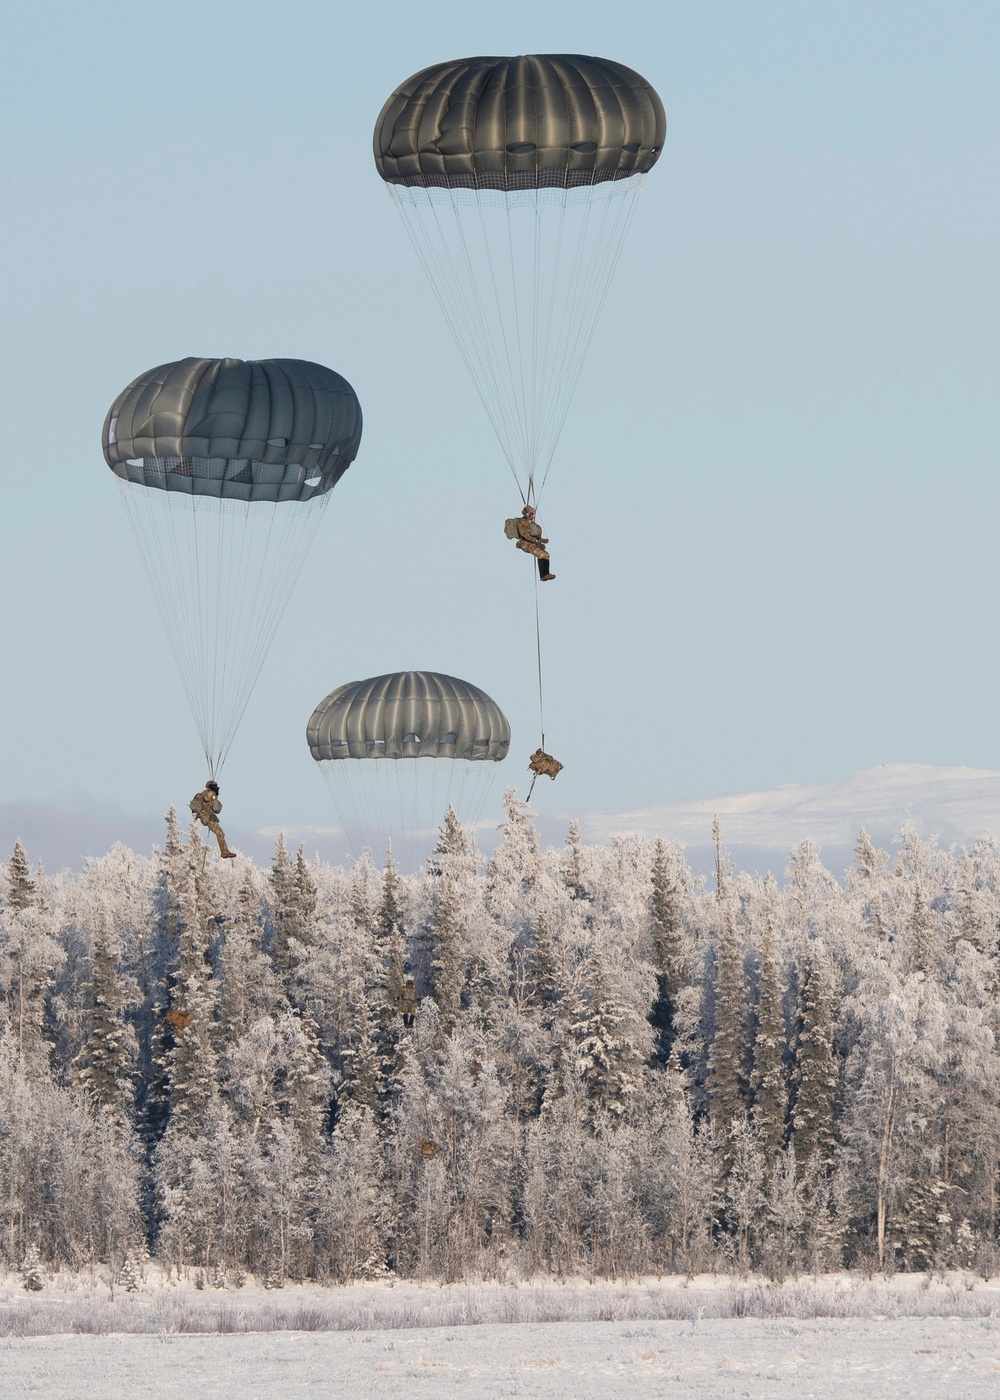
<point x="614" y="1068"/>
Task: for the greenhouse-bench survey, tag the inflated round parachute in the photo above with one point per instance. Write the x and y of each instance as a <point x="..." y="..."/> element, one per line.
<point x="409" y="714"/>
<point x="226" y="468"/>
<point x="517" y="180"/>
<point x="249" y="430"/>
<point x="535" y="121"/>
<point x="446" y="737"/>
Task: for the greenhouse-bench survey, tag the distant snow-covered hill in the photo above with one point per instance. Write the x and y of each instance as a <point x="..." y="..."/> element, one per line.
<point x="951" y="804"/>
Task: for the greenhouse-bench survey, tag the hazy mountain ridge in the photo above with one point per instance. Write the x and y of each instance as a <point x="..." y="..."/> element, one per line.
<point x="955" y="805"/>
<point x="952" y="804"/>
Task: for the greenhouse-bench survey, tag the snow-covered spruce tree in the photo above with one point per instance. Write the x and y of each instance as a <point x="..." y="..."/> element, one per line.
<point x="542" y="980"/>
<point x="814" y="1073"/>
<point x="611" y="1042"/>
<point x="574" y="864"/>
<point x="190" y="1059"/>
<point x="668" y="954"/>
<point x="372" y="1056"/>
<point x="451" y="869"/>
<point x="156" y="958"/>
<point x="514" y="868"/>
<point x="360" y="1057"/>
<point x="106" y="1065"/>
<point x="978" y="896"/>
<point x="923" y="935"/>
<point x="390" y="931"/>
<point x="22" y="892"/>
<point x="768" y="1084"/>
<point x="29" y="958"/>
<point x="293" y="912"/>
<point x="250" y="988"/>
<point x="869" y="878"/>
<point x="726" y="1082"/>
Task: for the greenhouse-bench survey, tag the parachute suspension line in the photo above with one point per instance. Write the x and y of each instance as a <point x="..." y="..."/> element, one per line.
<point x="488" y="358"/>
<point x="538" y="656"/>
<point x="602" y="276"/>
<point x="539" y="393"/>
<point x="541" y="698"/>
<point x="404" y="800"/>
<point x="533" y="414"/>
<point x="221" y="574"/>
<point x="491" y="262"/>
<point x="521" y="278"/>
<point x="571" y="310"/>
<point x="518" y="399"/>
<point x="474" y="348"/>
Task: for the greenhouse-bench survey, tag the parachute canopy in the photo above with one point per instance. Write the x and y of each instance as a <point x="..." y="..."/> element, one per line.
<point x="409" y="714"/>
<point x="248" y="430"/>
<point x="530" y="122"/>
<point x="446" y="737"/>
<point x="225" y="468"/>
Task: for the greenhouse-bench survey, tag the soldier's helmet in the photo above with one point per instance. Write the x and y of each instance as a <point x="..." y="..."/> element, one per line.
<point x="212" y="785"/>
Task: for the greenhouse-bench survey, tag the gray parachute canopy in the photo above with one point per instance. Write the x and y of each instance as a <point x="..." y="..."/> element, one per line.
<point x="249" y="430"/>
<point x="409" y="714"/>
<point x="520" y="123"/>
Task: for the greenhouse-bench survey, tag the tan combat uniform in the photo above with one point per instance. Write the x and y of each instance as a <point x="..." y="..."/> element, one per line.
<point x="408" y="1003"/>
<point x="528" y="534"/>
<point x="542" y="764"/>
<point x="206" y="807"/>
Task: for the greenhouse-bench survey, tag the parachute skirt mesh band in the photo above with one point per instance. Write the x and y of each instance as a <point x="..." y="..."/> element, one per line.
<point x="397" y="750"/>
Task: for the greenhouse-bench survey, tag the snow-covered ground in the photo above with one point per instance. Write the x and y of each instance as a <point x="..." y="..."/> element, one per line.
<point x="936" y="1358"/>
<point x="838" y="1337"/>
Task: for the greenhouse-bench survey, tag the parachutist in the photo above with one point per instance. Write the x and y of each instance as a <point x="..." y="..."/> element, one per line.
<point x="408" y="1003"/>
<point x="528" y="534"/>
<point x="206" y="807"/>
<point x="542" y="764"/>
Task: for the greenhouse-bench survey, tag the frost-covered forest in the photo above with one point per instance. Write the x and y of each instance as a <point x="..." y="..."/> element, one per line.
<point x="615" y="1068"/>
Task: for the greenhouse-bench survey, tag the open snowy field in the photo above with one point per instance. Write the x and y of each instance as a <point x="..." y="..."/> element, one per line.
<point x="936" y="1358"/>
<point x="712" y="1337"/>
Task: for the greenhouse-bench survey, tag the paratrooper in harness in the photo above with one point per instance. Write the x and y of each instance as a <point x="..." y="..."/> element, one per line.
<point x="408" y="1003"/>
<point x="528" y="533"/>
<point x="206" y="807"/>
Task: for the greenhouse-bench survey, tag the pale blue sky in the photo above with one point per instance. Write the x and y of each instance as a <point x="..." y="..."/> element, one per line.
<point x="775" y="500"/>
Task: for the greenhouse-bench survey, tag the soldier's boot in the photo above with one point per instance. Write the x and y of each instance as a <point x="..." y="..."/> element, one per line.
<point x="543" y="571"/>
<point x="224" y="850"/>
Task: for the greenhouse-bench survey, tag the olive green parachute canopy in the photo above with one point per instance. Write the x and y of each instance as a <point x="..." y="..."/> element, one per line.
<point x="225" y="468"/>
<point x="409" y="714"/>
<point x="245" y="430"/>
<point x="531" y="122"/>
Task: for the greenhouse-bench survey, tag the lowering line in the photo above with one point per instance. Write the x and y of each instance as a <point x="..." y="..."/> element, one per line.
<point x="541" y="697"/>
